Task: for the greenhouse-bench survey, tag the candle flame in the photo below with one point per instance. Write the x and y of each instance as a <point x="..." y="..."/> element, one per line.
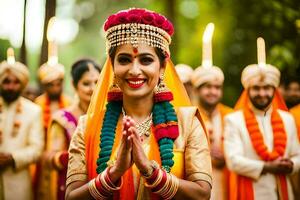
<point x="207" y="45"/>
<point x="208" y="33"/>
<point x="11" y="56"/>
<point x="261" y="52"/>
<point x="50" y="29"/>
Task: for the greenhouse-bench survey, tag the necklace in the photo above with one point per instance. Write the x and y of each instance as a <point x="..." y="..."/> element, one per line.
<point x="16" y="123"/>
<point x="257" y="138"/>
<point x="144" y="126"/>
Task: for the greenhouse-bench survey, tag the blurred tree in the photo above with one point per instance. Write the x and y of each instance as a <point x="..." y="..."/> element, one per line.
<point x="23" y="53"/>
<point x="50" y="7"/>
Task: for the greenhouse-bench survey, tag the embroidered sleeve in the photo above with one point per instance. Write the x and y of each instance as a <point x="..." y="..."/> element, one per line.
<point x="197" y="156"/>
<point x="77" y="164"/>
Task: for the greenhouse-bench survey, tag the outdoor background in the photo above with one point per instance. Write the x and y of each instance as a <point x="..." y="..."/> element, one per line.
<point x="237" y="25"/>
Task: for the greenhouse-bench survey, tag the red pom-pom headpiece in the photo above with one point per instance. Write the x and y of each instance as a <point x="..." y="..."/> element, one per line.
<point x="136" y="26"/>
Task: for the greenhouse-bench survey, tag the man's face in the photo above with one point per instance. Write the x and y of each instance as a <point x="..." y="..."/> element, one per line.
<point x="292" y="94"/>
<point x="54" y="89"/>
<point x="210" y="93"/>
<point x="261" y="95"/>
<point x="10" y="88"/>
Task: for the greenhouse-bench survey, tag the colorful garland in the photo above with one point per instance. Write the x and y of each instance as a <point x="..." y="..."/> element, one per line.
<point x="165" y="129"/>
<point x="256" y="137"/>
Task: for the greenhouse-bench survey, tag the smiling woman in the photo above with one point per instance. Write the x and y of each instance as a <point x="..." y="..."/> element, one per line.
<point x="140" y="135"/>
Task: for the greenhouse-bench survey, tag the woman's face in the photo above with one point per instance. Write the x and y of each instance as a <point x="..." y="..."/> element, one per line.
<point x="86" y="85"/>
<point x="137" y="72"/>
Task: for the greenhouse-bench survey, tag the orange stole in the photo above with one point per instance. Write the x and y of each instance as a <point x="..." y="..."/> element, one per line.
<point x="92" y="142"/>
<point x="245" y="184"/>
<point x="241" y="187"/>
<point x="295" y="111"/>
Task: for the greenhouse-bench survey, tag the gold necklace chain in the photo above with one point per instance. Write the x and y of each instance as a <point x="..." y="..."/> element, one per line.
<point x="144" y="126"/>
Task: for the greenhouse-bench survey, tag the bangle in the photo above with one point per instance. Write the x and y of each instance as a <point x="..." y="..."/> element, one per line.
<point x="170" y="188"/>
<point x="104" y="179"/>
<point x="154" y="165"/>
<point x="157" y="180"/>
<point x="94" y="191"/>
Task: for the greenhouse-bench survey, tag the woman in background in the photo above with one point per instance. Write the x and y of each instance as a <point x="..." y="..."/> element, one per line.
<point x="85" y="73"/>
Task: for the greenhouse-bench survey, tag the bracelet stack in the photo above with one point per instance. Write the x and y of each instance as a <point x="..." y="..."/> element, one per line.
<point x="102" y="187"/>
<point x="162" y="183"/>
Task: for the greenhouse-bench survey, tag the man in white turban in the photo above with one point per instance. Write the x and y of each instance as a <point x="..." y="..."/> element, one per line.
<point x="51" y="75"/>
<point x="261" y="144"/>
<point x="21" y="132"/>
<point x="208" y="83"/>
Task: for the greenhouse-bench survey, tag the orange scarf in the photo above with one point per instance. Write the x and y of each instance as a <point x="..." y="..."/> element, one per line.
<point x="280" y="140"/>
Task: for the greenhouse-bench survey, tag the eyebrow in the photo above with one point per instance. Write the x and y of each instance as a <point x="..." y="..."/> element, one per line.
<point x="139" y="55"/>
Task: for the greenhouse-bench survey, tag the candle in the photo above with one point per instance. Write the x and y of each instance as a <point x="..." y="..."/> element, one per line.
<point x="52" y="46"/>
<point x="261" y="52"/>
<point x="11" y="56"/>
<point x="207" y="45"/>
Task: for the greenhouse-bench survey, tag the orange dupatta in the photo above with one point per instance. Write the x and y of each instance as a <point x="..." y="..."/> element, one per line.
<point x="241" y="187"/>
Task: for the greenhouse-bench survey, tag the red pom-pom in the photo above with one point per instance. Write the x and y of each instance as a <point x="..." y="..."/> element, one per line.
<point x="159" y="20"/>
<point x="136" y="11"/>
<point x="160" y="133"/>
<point x="163" y="96"/>
<point x="168" y="27"/>
<point x="114" y="96"/>
<point x="138" y="15"/>
<point x="148" y="18"/>
<point x="173" y="132"/>
<point x="133" y="18"/>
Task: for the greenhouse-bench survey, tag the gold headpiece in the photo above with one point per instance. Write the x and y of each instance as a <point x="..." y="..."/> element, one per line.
<point x="138" y="26"/>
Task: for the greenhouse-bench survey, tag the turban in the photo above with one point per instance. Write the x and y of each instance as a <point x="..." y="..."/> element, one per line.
<point x="203" y="75"/>
<point x="254" y="73"/>
<point x="48" y="73"/>
<point x="16" y="68"/>
<point x="184" y="72"/>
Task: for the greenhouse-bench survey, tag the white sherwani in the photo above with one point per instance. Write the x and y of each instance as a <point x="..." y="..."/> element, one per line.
<point x="25" y="147"/>
<point x="241" y="157"/>
<point x="214" y="127"/>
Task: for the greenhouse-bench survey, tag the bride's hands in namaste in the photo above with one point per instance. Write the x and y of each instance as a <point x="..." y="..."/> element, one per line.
<point x="138" y="155"/>
<point x="124" y="157"/>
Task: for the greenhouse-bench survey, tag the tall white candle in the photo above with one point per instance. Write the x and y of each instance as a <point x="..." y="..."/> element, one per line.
<point x="207" y="46"/>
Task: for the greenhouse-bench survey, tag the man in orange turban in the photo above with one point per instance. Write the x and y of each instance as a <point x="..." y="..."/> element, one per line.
<point x="261" y="144"/>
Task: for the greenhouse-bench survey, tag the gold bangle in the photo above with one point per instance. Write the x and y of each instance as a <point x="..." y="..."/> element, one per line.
<point x="106" y="185"/>
<point x="175" y="188"/>
<point x="94" y="191"/>
<point x="157" y="181"/>
<point x="154" y="165"/>
<point x="165" y="187"/>
<point x="172" y="190"/>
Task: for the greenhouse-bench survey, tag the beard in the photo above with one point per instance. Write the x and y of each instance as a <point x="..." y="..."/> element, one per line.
<point x="261" y="105"/>
<point x="208" y="105"/>
<point x="54" y="97"/>
<point x="10" y="96"/>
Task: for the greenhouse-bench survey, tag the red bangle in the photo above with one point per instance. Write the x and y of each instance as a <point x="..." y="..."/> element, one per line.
<point x="100" y="187"/>
<point x="153" y="177"/>
<point x="162" y="182"/>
